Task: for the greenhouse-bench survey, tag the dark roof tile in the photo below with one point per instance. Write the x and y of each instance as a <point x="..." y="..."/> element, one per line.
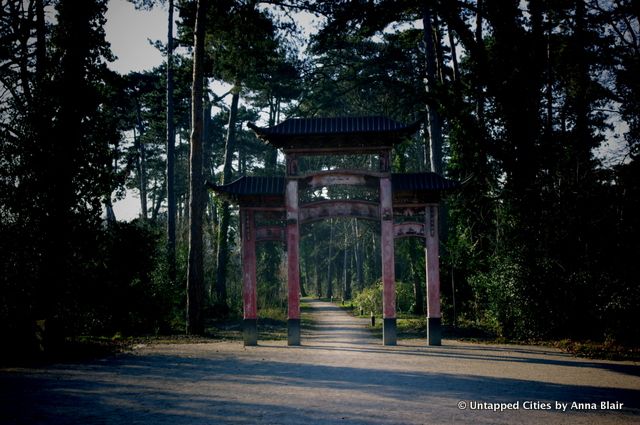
<point x="268" y="185"/>
<point x="421" y="181"/>
<point x="251" y="185"/>
<point x="337" y="125"/>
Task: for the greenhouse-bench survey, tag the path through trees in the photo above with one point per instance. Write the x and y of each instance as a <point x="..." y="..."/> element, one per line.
<point x="339" y="375"/>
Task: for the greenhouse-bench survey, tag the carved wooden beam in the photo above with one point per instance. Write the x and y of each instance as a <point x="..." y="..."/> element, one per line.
<point x="270" y="233"/>
<point x="408" y="229"/>
<point x="272" y="215"/>
<point x="340" y="177"/>
<point x="344" y="208"/>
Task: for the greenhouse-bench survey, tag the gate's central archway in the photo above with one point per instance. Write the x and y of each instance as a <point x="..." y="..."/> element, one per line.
<point x="406" y="207"/>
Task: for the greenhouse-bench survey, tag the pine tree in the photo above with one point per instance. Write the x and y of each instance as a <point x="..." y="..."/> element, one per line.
<point x="195" y="272"/>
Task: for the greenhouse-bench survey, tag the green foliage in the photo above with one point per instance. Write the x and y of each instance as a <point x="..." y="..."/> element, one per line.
<point x="136" y="295"/>
<point x="497" y="298"/>
<point x="271" y="277"/>
<point x="61" y="133"/>
<point x="405" y="298"/>
<point x="370" y="299"/>
<point x="539" y="241"/>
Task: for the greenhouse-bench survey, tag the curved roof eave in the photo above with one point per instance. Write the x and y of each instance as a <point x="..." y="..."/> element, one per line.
<point x="369" y="132"/>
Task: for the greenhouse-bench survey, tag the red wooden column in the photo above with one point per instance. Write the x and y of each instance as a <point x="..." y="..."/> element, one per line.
<point x="433" y="275"/>
<point x="388" y="263"/>
<point x="249" y="290"/>
<point x="293" y="256"/>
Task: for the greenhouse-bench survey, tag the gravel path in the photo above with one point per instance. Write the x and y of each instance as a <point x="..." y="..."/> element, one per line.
<point x="341" y="375"/>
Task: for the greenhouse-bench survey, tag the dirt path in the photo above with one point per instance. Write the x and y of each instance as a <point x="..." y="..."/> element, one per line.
<point x="341" y="375"/>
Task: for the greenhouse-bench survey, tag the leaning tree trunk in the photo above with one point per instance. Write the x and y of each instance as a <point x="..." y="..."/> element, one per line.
<point x="195" y="269"/>
<point x="223" y="227"/>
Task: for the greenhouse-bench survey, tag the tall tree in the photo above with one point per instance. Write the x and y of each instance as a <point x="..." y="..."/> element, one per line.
<point x="195" y="268"/>
<point x="59" y="134"/>
<point x="223" y="228"/>
<point x="249" y="62"/>
<point x="170" y="125"/>
<point x="171" y="147"/>
<point x="434" y="121"/>
<point x="143" y="102"/>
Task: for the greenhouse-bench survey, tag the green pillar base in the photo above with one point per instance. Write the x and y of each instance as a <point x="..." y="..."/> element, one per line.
<point x="293" y="332"/>
<point x="434" y="334"/>
<point x="250" y="332"/>
<point x="389" y="334"/>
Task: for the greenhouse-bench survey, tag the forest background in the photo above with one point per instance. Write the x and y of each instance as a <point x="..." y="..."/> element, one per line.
<point x="519" y="100"/>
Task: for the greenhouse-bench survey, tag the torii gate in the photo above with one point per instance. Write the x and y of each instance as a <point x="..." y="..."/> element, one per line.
<point x="407" y="207"/>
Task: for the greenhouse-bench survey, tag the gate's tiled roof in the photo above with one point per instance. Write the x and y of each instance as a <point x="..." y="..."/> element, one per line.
<point x="421" y="182"/>
<point x="275" y="186"/>
<point x="338" y="132"/>
<point x="252" y="185"/>
<point x="342" y="125"/>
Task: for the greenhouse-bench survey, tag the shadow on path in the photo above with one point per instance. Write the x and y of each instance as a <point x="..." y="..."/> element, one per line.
<point x="178" y="390"/>
<point x="335" y="329"/>
<point x="340" y="375"/>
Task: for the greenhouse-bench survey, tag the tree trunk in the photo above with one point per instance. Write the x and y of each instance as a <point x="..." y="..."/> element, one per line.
<point x="195" y="269"/>
<point x="376" y="252"/>
<point x="242" y="159"/>
<point x="581" y="149"/>
<point x="41" y="44"/>
<point x="305" y="284"/>
<point x="142" y="164"/>
<point x="271" y="156"/>
<point x="549" y="88"/>
<point x="316" y="272"/>
<point x="272" y="257"/>
<point x="346" y="293"/>
<point x="454" y="60"/>
<point x="157" y="202"/>
<point x="225" y="216"/>
<point x="111" y="216"/>
<point x="435" y="124"/>
<point x="437" y="38"/>
<point x="453" y="297"/>
<point x="479" y="42"/>
<point x="171" y="149"/>
<point x="40" y="109"/>
<point x="357" y="251"/>
<point x="330" y="260"/>
<point x="418" y="278"/>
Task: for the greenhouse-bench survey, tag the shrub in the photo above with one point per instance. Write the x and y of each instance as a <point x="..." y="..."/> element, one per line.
<point x="370" y="299"/>
<point x="129" y="292"/>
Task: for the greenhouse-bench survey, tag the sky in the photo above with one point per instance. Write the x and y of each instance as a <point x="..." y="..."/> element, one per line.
<point x="129" y="31"/>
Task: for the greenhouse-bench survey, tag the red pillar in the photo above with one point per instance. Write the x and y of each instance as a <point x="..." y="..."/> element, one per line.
<point x="433" y="275"/>
<point x="293" y="270"/>
<point x="249" y="290"/>
<point x="388" y="263"/>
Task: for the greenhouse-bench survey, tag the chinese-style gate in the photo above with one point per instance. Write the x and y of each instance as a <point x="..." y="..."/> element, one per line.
<point x="269" y="209"/>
